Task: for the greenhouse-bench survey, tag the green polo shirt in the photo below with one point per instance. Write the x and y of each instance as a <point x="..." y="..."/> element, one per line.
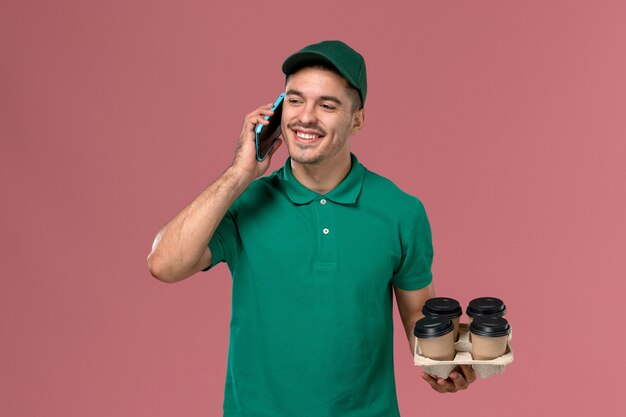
<point x="311" y="333"/>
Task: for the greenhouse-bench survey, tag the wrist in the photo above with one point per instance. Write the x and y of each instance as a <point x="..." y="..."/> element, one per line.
<point x="241" y="176"/>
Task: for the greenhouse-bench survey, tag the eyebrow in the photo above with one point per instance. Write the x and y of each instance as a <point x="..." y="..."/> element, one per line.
<point x="322" y="98"/>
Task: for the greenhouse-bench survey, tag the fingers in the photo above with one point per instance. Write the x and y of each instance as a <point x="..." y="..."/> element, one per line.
<point x="245" y="153"/>
<point x="262" y="109"/>
<point x="468" y="373"/>
<point x="438" y="384"/>
<point x="246" y="139"/>
<point x="258" y="115"/>
<point x="458" y="380"/>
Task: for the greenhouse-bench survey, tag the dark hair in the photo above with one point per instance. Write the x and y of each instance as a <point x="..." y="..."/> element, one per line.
<point x="357" y="103"/>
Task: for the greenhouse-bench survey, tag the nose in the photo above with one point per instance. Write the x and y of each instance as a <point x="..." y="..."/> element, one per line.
<point x="307" y="114"/>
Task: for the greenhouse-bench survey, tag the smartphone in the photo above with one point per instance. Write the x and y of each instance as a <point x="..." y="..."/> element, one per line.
<point x="267" y="135"/>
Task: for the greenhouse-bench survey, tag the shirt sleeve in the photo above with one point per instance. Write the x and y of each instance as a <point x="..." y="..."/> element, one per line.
<point x="225" y="243"/>
<point x="414" y="271"/>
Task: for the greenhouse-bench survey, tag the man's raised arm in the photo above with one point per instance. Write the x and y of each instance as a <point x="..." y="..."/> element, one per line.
<point x="180" y="249"/>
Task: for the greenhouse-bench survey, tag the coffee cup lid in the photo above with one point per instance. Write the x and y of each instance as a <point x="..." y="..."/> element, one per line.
<point x="429" y="327"/>
<point x="442" y="306"/>
<point x="490" y="326"/>
<point x="486" y="306"/>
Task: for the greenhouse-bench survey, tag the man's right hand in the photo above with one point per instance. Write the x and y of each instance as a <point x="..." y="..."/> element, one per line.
<point x="245" y="162"/>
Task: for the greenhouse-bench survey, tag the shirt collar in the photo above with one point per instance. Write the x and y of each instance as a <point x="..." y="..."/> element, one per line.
<point x="346" y="192"/>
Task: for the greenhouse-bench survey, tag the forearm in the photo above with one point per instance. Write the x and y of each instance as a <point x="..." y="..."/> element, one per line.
<point x="410" y="305"/>
<point x="409" y="325"/>
<point x="181" y="247"/>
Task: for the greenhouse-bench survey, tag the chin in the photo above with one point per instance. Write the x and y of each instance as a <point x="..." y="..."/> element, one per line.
<point x="306" y="156"/>
<point x="306" y="159"/>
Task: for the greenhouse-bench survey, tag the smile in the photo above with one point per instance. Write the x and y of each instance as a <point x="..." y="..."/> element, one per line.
<point x="306" y="135"/>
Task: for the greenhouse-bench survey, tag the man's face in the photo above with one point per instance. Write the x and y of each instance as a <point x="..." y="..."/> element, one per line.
<point x="318" y="117"/>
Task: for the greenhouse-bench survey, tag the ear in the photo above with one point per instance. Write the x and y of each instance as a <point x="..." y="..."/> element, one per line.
<point x="358" y="119"/>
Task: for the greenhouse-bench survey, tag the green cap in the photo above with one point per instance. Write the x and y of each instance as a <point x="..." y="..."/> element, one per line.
<point x="347" y="61"/>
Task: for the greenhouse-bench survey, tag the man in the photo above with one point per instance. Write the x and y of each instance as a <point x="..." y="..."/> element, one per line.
<point x="314" y="250"/>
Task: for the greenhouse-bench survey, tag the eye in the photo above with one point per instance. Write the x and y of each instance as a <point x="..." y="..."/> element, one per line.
<point x="294" y="101"/>
<point x="328" y="107"/>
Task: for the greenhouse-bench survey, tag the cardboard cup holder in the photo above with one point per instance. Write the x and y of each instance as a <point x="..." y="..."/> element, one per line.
<point x="483" y="368"/>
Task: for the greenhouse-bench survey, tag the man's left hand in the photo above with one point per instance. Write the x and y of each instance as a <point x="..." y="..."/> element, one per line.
<point x="459" y="379"/>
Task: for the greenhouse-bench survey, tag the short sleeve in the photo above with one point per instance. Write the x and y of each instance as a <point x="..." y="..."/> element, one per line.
<point x="225" y="241"/>
<point x="414" y="271"/>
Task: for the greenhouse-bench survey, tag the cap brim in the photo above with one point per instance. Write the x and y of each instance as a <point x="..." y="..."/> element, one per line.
<point x="297" y="60"/>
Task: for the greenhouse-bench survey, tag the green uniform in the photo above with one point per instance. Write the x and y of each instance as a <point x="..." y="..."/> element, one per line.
<point x="311" y="333"/>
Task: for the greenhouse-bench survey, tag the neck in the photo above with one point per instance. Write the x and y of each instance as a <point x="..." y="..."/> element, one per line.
<point x="324" y="177"/>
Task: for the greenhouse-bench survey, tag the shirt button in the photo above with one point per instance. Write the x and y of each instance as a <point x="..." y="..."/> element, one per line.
<point x="325" y="231"/>
<point x="323" y="201"/>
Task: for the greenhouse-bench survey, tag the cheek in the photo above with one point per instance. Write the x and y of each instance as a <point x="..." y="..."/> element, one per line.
<point x="344" y="125"/>
<point x="284" y="121"/>
<point x="288" y="117"/>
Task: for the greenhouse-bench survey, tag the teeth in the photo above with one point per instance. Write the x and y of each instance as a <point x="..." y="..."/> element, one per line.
<point x="306" y="135"/>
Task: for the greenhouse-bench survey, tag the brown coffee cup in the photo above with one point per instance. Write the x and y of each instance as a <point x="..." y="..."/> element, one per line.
<point x="489" y="337"/>
<point x="444" y="307"/>
<point x="485" y="306"/>
<point x="435" y="337"/>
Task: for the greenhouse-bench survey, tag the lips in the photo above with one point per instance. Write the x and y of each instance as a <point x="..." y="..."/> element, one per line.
<point x="303" y="135"/>
<point x="307" y="136"/>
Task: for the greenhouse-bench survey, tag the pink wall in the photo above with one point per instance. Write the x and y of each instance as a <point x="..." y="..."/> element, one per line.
<point x="505" y="118"/>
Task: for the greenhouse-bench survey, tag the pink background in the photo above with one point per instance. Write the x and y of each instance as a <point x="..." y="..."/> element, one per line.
<point x="506" y="118"/>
